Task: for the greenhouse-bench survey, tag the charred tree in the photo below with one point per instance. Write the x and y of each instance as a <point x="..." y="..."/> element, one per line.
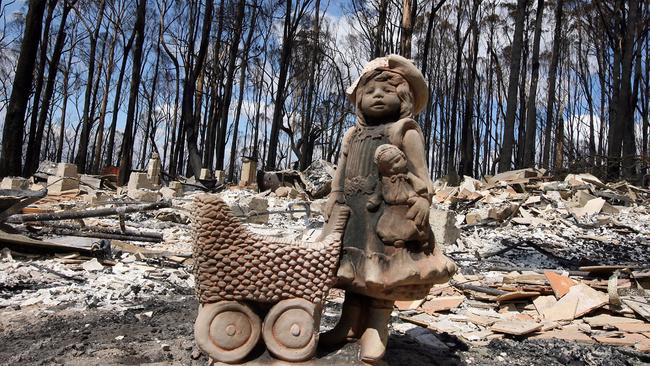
<point x="505" y="161"/>
<point x="126" y="151"/>
<point x="12" y="135"/>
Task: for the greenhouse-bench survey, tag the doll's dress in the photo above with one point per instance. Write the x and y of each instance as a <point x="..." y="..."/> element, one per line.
<point x="368" y="266"/>
<point x="393" y="225"/>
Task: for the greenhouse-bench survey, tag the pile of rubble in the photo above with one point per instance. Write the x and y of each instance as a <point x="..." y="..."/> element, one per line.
<point x="524" y="219"/>
<point x="541" y="259"/>
<point x="538" y="258"/>
<point x="91" y="246"/>
<point x="582" y="307"/>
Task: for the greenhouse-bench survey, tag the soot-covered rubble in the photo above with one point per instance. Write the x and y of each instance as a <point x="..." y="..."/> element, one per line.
<point x="544" y="263"/>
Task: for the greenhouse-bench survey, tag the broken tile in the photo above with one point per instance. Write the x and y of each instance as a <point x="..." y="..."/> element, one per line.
<point x="639" y="305"/>
<point x="633" y="327"/>
<point x="484" y="321"/>
<point x="408" y="305"/>
<point x="478" y="335"/>
<point x="516" y="327"/>
<point x="445" y="303"/>
<point x="628" y="339"/>
<point x="571" y="335"/>
<point x="592" y="207"/>
<point x="517" y="295"/>
<point x="92" y="265"/>
<point x="606" y="320"/>
<point x="544" y="302"/>
<point x="585" y="299"/>
<point x="565" y="309"/>
<point x="560" y="284"/>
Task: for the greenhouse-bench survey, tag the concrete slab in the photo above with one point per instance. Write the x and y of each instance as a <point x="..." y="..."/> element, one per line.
<point x="14" y="183"/>
<point x="66" y="170"/>
<point x="59" y="185"/>
<point x="139" y="180"/>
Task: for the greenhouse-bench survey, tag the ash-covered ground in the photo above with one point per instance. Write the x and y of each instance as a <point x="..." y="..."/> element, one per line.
<point x="160" y="332"/>
<point x="138" y="307"/>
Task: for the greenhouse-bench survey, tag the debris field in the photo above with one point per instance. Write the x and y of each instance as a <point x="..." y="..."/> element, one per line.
<point x="551" y="271"/>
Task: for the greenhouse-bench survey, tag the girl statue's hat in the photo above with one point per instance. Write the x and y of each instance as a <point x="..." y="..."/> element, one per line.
<point x="402" y="66"/>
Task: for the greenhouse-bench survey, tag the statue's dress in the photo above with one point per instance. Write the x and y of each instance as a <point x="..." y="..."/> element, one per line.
<point x="368" y="266"/>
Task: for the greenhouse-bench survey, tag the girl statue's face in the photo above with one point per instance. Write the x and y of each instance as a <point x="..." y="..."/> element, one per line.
<point x="379" y="102"/>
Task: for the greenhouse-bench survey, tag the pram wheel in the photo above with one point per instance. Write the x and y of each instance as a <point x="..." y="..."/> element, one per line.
<point x="290" y="330"/>
<point x="227" y="330"/>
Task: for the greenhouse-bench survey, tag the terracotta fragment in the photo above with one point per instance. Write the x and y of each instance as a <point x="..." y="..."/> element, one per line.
<point x="571" y="335"/>
<point x="439" y="304"/>
<point x="408" y="305"/>
<point x="628" y="339"/>
<point x="560" y="284"/>
<point x="516" y="327"/>
<point x="606" y="320"/>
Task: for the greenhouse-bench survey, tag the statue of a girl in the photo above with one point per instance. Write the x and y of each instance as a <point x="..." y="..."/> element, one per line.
<point x="386" y="255"/>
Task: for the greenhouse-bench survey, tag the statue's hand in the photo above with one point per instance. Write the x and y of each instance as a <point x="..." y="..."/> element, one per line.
<point x="332" y="200"/>
<point x="419" y="211"/>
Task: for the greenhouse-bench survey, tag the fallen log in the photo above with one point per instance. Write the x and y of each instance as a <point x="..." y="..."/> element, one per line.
<point x="536" y="270"/>
<point x="80" y="214"/>
<point x="156" y="236"/>
<point x="485" y="290"/>
<point x="100" y="235"/>
<point x="24" y="244"/>
<point x="13" y="200"/>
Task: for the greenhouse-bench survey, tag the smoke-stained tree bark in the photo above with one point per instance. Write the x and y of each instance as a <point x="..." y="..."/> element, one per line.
<point x="309" y="133"/>
<point x="86" y="126"/>
<point x="552" y="77"/>
<point x="291" y="22"/>
<point x="31" y="161"/>
<point x="467" y="143"/>
<point x="242" y="87"/>
<point x="126" y="151"/>
<point x="531" y="109"/>
<point x="53" y="66"/>
<point x="12" y="135"/>
<point x="230" y="76"/>
<point x="409" y="9"/>
<point x="193" y="71"/>
<point x="110" y="144"/>
<point x="505" y="160"/>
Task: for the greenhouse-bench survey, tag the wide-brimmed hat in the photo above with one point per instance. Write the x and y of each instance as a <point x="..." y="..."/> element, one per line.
<point x="402" y="66"/>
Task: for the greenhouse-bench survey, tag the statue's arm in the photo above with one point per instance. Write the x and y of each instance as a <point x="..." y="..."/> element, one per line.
<point x="339" y="174"/>
<point x="413" y="147"/>
<point x="336" y="195"/>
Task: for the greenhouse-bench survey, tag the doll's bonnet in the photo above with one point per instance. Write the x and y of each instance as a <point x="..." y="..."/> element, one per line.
<point x="402" y="66"/>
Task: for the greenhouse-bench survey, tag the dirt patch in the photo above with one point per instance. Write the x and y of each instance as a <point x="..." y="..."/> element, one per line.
<point x="161" y="333"/>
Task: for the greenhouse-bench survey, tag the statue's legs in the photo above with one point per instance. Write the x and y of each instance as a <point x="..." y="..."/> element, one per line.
<point x="348" y="328"/>
<point x="375" y="335"/>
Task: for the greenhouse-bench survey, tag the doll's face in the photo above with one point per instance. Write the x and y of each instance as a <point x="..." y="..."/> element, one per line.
<point x="391" y="161"/>
<point x="398" y="163"/>
<point x="379" y="101"/>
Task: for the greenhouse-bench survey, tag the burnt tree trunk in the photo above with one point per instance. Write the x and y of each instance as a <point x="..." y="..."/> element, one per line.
<point x="190" y="125"/>
<point x="126" y="151"/>
<point x="53" y="67"/>
<point x="531" y="109"/>
<point x="230" y="73"/>
<point x="467" y="142"/>
<point x="12" y="135"/>
<point x="552" y="76"/>
<point x="505" y="160"/>
<point x="86" y="121"/>
<point x="31" y="159"/>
